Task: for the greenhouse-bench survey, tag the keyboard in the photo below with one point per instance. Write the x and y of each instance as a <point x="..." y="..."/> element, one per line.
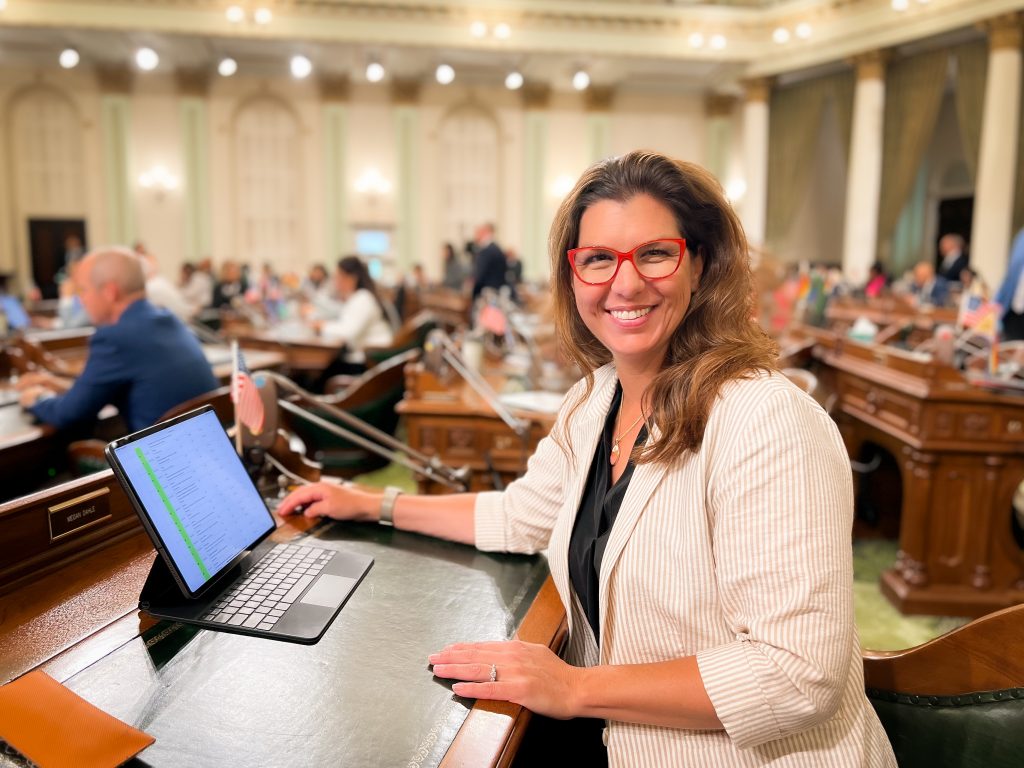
<point x="269" y="589"/>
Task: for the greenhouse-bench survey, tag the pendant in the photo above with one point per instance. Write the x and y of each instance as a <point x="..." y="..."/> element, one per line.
<point x="614" y="455"/>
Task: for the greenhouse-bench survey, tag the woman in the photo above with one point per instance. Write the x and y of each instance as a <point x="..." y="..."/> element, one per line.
<point x="696" y="506"/>
<point x="362" y="320"/>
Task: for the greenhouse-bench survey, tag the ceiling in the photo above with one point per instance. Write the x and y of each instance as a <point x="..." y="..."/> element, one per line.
<point x="624" y="44"/>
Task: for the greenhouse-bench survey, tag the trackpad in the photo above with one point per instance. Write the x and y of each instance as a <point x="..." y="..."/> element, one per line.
<point x="328" y="591"/>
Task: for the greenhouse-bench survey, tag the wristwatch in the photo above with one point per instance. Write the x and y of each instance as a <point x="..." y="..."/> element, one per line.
<point x="387" y="505"/>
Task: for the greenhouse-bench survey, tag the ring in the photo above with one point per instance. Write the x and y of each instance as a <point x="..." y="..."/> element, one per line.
<point x="494" y="673"/>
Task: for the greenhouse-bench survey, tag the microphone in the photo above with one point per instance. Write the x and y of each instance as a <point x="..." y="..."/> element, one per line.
<point x="441" y="354"/>
<point x="382" y="444"/>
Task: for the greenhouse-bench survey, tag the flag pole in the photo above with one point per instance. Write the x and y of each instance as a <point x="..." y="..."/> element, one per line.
<point x="234" y="395"/>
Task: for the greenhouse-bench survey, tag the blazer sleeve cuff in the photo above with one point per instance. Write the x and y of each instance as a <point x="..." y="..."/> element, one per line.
<point x="740" y="703"/>
<point x="489" y="522"/>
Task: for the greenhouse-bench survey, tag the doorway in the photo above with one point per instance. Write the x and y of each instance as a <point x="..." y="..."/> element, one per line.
<point x="50" y="242"/>
<point x="955" y="218"/>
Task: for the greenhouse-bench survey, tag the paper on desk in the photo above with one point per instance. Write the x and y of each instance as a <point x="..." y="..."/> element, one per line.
<point x="54" y="727"/>
<point x="542" y="402"/>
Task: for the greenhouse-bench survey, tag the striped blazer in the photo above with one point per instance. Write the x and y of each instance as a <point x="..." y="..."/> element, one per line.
<point x="738" y="553"/>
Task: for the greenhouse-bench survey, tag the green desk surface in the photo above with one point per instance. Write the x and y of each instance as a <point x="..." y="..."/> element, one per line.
<point x="362" y="696"/>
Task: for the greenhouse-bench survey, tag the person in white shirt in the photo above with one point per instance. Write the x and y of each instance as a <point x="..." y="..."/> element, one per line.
<point x="160" y="291"/>
<point x="361" y="322"/>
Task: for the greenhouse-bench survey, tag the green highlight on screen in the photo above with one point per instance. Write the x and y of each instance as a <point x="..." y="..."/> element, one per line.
<point x="172" y="513"/>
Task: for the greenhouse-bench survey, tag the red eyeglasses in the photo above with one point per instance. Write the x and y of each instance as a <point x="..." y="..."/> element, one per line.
<point x="655" y="260"/>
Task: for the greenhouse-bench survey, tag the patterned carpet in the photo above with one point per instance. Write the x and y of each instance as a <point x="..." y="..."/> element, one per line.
<point x="880" y="625"/>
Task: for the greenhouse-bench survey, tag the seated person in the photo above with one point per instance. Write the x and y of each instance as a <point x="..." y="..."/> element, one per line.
<point x="141" y="359"/>
<point x="878" y="281"/>
<point x="362" y="320"/>
<point x="14" y="313"/>
<point x="927" y="287"/>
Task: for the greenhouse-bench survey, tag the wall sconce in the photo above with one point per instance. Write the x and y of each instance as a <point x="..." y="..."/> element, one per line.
<point x="372" y="184"/>
<point x="159" y="179"/>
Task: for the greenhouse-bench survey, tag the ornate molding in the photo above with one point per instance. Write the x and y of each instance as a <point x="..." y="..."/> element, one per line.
<point x="335" y="88"/>
<point x="116" y="78"/>
<point x="192" y="82"/>
<point x="719" y="104"/>
<point x="598" y="98"/>
<point x="1004" y="32"/>
<point x="405" y="92"/>
<point x="536" y="96"/>
<point x="758" y="89"/>
<point x="870" y="65"/>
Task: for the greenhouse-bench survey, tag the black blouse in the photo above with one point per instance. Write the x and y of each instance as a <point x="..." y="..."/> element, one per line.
<point x="596" y="516"/>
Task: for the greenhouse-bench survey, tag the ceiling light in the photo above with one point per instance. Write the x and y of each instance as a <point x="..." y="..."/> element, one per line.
<point x="69" y="57"/>
<point x="900" y="5"/>
<point x="3" y="4"/>
<point x="696" y="40"/>
<point x="502" y="31"/>
<point x="581" y="81"/>
<point x="478" y="29"/>
<point x="780" y="35"/>
<point x="146" y="58"/>
<point x="374" y="71"/>
<point x="235" y="14"/>
<point x="444" y="74"/>
<point x="717" y="42"/>
<point x="263" y="16"/>
<point x="803" y="30"/>
<point x="514" y="81"/>
<point x="227" y="67"/>
<point x="301" y="67"/>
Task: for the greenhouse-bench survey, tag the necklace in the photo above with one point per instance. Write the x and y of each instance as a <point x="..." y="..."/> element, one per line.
<point x="614" y="455"/>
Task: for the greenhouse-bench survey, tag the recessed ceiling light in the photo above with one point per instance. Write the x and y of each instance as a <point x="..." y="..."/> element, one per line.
<point x="696" y="40"/>
<point x="227" y="67"/>
<point x="502" y="31"/>
<point x="374" y="71"/>
<point x="263" y="16"/>
<point x="803" y="30"/>
<point x="235" y="14"/>
<point x="69" y="57"/>
<point x="146" y="58"/>
<point x="581" y="81"/>
<point x="478" y="29"/>
<point x="444" y="74"/>
<point x="717" y="42"/>
<point x="301" y="67"/>
<point x="514" y="81"/>
<point x="780" y="35"/>
<point x="900" y="5"/>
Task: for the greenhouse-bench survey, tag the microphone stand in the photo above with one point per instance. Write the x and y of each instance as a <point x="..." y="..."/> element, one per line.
<point x="429" y="467"/>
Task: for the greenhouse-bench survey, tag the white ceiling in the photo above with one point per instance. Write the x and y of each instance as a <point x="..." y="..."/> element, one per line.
<point x="626" y="44"/>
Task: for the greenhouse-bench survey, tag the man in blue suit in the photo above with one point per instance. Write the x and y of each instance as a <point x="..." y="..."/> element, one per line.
<point x="141" y="359"/>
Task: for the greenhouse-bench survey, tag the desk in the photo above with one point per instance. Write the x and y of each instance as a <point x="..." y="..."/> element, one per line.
<point x="960" y="451"/>
<point x="301" y="352"/>
<point x="362" y="694"/>
<point x="219" y="358"/>
<point x="28" y="451"/>
<point x="457" y="425"/>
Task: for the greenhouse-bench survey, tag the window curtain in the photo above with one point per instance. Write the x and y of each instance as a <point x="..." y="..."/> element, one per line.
<point x="913" y="95"/>
<point x="971" y="71"/>
<point x="793" y="125"/>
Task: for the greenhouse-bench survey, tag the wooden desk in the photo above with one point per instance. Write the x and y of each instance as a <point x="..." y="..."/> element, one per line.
<point x="362" y="694"/>
<point x="30" y="454"/>
<point x="454" y="423"/>
<point x="960" y="451"/>
<point x="301" y="353"/>
<point x="219" y="357"/>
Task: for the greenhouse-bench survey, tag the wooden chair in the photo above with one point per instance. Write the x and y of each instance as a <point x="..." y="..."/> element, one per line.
<point x="957" y="700"/>
<point x="412" y="335"/>
<point x="371" y="397"/>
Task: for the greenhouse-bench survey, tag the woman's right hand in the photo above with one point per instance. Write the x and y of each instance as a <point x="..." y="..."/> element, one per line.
<point x="340" y="501"/>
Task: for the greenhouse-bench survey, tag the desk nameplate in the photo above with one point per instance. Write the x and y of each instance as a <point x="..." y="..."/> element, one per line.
<point x="77" y="514"/>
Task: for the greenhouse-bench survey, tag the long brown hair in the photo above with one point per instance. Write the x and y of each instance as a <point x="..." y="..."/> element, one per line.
<point x="717" y="340"/>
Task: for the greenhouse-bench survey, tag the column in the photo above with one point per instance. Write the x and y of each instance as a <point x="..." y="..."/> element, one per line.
<point x="864" y="175"/>
<point x="997" y="162"/>
<point x="405" y="97"/>
<point x="194" y="86"/>
<point x="334" y="93"/>
<point x="755" y="158"/>
<point x="718" y="109"/>
<point x="597" y="101"/>
<point x="535" y="149"/>
<point x="115" y="135"/>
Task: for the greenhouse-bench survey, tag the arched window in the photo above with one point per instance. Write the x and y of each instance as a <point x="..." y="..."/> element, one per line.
<point x="267" y="183"/>
<point x="469" y="172"/>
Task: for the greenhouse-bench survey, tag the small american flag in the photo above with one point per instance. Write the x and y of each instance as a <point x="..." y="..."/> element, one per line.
<point x="983" y="317"/>
<point x="246" y="396"/>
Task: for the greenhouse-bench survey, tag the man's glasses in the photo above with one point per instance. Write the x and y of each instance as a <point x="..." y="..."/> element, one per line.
<point x="598" y="264"/>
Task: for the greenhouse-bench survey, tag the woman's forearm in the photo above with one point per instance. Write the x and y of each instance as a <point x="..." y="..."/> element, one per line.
<point x="446" y="517"/>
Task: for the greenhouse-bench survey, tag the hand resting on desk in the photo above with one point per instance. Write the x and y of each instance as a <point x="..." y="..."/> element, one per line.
<point x="341" y="502"/>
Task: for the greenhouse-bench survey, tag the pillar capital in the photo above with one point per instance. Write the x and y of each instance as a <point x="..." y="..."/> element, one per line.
<point x="1003" y="31"/>
<point x="192" y="81"/>
<point x="334" y="87"/>
<point x="405" y="92"/>
<point x="758" y="88"/>
<point x="719" y="104"/>
<point x="536" y="95"/>
<point x="114" y="79"/>
<point x="598" y="98"/>
<point x="870" y="65"/>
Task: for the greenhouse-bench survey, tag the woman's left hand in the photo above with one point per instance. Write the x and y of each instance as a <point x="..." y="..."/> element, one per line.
<point x="528" y="674"/>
